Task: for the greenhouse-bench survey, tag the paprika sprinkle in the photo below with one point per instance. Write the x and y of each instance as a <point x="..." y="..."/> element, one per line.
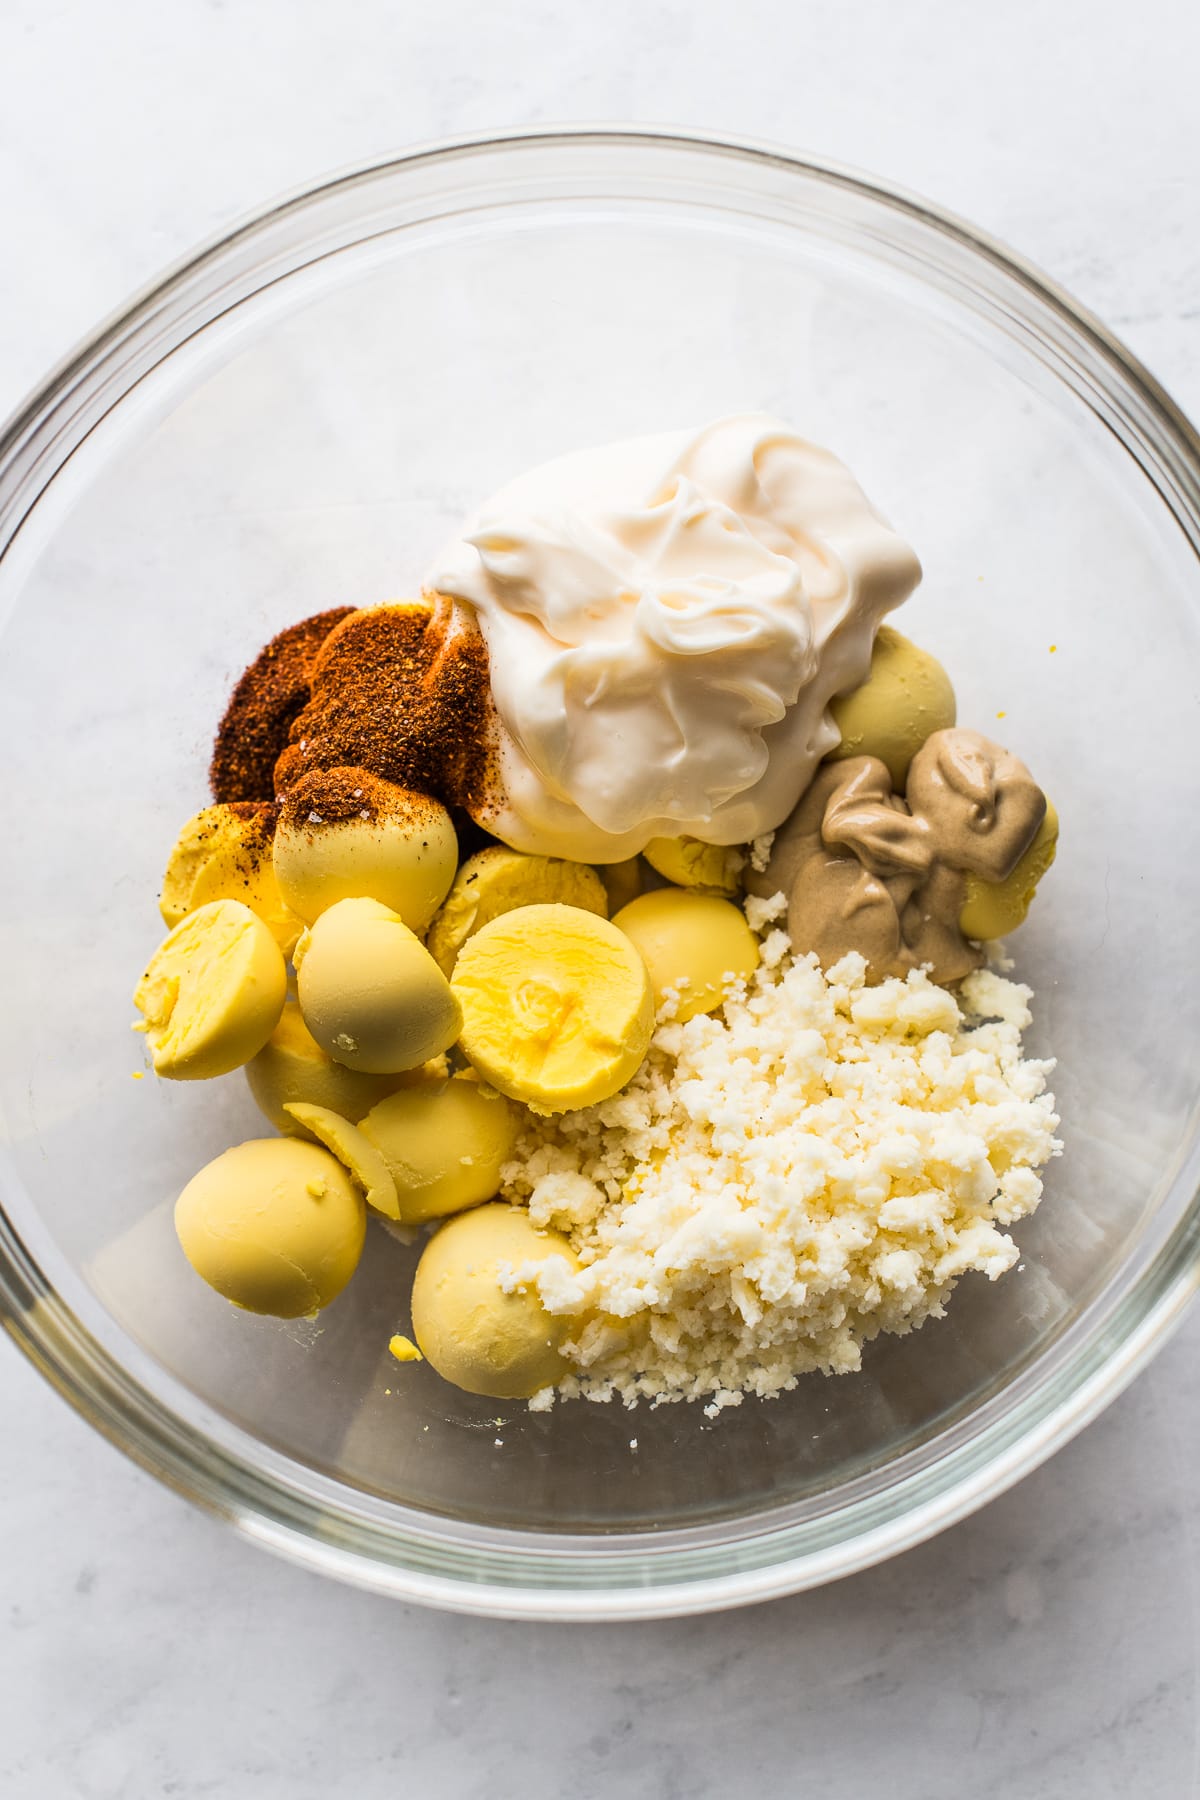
<point x="261" y="708"/>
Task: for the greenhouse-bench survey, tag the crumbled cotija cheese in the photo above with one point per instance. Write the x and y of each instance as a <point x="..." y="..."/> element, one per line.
<point x="760" y="851"/>
<point x="782" y="1181"/>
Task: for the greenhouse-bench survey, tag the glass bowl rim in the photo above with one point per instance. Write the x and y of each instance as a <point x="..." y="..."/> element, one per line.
<point x="521" y="1574"/>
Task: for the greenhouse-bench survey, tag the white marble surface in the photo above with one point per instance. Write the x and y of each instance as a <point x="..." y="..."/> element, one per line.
<point x="1048" y="1647"/>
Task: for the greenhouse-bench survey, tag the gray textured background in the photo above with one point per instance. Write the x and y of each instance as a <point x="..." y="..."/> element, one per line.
<point x="1046" y="1649"/>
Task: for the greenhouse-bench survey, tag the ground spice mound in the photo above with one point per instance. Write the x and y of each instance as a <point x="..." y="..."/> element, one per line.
<point x="330" y="796"/>
<point x="401" y="691"/>
<point x="261" y="708"/>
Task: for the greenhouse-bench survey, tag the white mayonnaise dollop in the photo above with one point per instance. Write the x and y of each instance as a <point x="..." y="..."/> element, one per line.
<point x="667" y="620"/>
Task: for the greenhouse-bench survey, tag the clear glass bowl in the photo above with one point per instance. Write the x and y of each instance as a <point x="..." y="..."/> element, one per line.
<point x="292" y="420"/>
